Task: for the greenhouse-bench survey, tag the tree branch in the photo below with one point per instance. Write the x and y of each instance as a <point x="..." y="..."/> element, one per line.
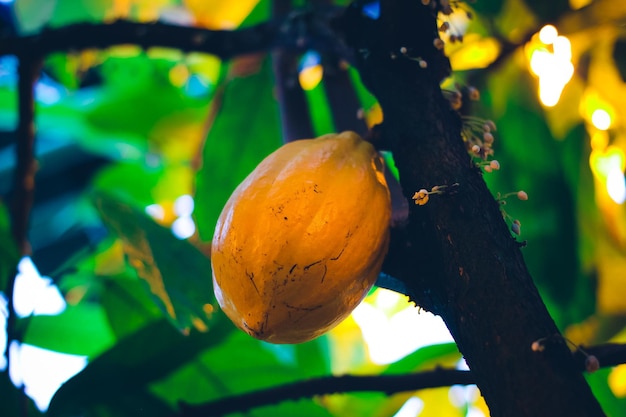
<point x="607" y="355"/>
<point x="24" y="186"/>
<point x="299" y="31"/>
<point x="462" y="262"/>
<point x="24" y="176"/>
<point x="224" y="44"/>
<point x="24" y="179"/>
<point x="294" y="109"/>
<point x="342" y="98"/>
<point x="388" y="384"/>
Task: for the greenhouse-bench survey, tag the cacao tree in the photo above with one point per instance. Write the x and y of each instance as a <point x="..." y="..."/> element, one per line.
<point x="125" y="126"/>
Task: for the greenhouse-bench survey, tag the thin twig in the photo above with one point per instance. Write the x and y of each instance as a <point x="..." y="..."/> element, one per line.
<point x="608" y="355"/>
<point x="388" y="384"/>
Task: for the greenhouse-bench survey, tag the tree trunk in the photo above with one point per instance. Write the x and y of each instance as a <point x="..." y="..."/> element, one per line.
<point x="460" y="259"/>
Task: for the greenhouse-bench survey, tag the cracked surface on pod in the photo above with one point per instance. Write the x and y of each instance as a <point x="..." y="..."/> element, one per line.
<point x="302" y="239"/>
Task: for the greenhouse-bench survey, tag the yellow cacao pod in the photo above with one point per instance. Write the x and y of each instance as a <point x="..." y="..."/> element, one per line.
<point x="302" y="239"/>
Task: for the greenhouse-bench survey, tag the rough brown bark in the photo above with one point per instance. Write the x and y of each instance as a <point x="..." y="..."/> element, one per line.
<point x="461" y="261"/>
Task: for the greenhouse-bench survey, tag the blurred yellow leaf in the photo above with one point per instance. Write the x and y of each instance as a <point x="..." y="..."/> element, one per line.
<point x="473" y="52"/>
<point x="597" y="13"/>
<point x="604" y="78"/>
<point x="374" y="115"/>
<point x="141" y="10"/>
<point x="481" y="405"/>
<point x="178" y="136"/>
<point x="563" y="117"/>
<point x="176" y="180"/>
<point x="583" y="333"/>
<point x="389" y="302"/>
<point x="515" y="20"/>
<point x="611" y="264"/>
<point x="219" y="14"/>
<point x="120" y="9"/>
<point x="605" y="165"/>
<point x="111" y="260"/>
<point x="579" y="4"/>
<point x="124" y="51"/>
<point x="310" y="77"/>
<point x="591" y="102"/>
<point x="602" y="162"/>
<point x="437" y="403"/>
<point x="617" y="381"/>
<point x="205" y="65"/>
<point x="178" y="75"/>
<point x="348" y="349"/>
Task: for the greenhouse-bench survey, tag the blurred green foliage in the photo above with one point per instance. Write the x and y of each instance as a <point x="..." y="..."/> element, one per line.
<point x="140" y="303"/>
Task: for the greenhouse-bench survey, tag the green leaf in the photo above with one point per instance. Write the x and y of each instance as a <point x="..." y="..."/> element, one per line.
<point x="130" y="404"/>
<point x="424" y="357"/>
<point x="319" y="110"/>
<point x="366" y="98"/>
<point x="612" y="406"/>
<point x="358" y="404"/>
<point x="127" y="304"/>
<point x="514" y="19"/>
<point x="382" y="405"/>
<point x="32" y="15"/>
<point x="131" y="181"/>
<point x="80" y="330"/>
<point x="146" y="356"/>
<point x="313" y="358"/>
<point x="428" y="357"/>
<point x="9" y="255"/>
<point x="549" y="170"/>
<point x="140" y="82"/>
<point x="304" y="407"/>
<point x="64" y="68"/>
<point x="260" y="13"/>
<point x="240" y="364"/>
<point x="245" y="131"/>
<point x="178" y="275"/>
<point x="70" y="11"/>
<point x="104" y="119"/>
<point x="240" y="371"/>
